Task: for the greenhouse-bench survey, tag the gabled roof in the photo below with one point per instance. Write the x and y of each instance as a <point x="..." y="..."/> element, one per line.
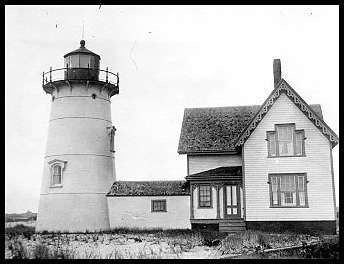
<point x="148" y="188"/>
<point x="217" y="129"/>
<point x="220" y="173"/>
<point x="283" y="87"/>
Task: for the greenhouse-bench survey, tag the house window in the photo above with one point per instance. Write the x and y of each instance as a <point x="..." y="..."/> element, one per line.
<point x="158" y="206"/>
<point x="288" y="190"/>
<point x="56" y="170"/>
<point x="204" y="196"/>
<point x="285" y="141"/>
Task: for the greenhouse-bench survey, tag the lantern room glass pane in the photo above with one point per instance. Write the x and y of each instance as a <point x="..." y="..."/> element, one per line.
<point x="94" y="63"/>
<point x="67" y="62"/>
<point x="74" y="61"/>
<point x="84" y="61"/>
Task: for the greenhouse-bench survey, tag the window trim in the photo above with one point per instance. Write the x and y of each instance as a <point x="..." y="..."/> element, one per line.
<point x="296" y="175"/>
<point x="211" y="197"/>
<point x="275" y="132"/>
<point x="158" y="200"/>
<point x="52" y="164"/>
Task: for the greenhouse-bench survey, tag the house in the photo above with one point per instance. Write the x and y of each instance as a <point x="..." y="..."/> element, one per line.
<point x="263" y="167"/>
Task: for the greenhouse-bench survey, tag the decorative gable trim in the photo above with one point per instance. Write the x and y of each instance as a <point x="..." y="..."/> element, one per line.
<point x="284" y="87"/>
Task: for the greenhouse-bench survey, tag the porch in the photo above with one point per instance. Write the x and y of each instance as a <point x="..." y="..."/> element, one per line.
<point x="217" y="199"/>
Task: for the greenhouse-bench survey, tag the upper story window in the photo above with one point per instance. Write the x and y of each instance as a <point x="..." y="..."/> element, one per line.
<point x="288" y="190"/>
<point x="204" y="196"/>
<point x="56" y="169"/>
<point x="286" y="141"/>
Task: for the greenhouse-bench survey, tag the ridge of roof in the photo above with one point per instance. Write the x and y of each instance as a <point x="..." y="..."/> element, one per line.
<point x="283" y="87"/>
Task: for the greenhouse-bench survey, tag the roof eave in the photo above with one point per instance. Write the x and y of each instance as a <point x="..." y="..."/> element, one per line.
<point x="208" y="152"/>
<point x="214" y="178"/>
<point x="240" y="140"/>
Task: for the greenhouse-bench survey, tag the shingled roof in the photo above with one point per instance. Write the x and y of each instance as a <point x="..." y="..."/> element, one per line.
<point x="216" y="129"/>
<point x="220" y="173"/>
<point x="148" y="188"/>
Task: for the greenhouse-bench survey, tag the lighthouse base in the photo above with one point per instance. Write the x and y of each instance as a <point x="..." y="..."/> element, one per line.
<point x="72" y="213"/>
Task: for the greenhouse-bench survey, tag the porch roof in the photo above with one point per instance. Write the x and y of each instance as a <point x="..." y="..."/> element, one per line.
<point x="220" y="173"/>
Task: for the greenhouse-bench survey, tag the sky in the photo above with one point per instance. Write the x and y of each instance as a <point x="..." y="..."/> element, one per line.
<point x="169" y="58"/>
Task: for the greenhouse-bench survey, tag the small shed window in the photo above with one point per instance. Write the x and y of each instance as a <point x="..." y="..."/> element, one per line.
<point x="158" y="206"/>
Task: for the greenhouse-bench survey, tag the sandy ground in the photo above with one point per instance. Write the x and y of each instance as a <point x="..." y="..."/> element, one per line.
<point x="120" y="246"/>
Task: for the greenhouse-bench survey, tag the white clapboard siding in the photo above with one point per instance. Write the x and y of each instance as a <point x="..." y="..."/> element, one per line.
<point x="206" y="162"/>
<point x="317" y="165"/>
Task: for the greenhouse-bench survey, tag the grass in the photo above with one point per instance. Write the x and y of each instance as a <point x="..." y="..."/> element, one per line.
<point x="323" y="250"/>
<point x="251" y="245"/>
<point x="23" y="243"/>
<point x="258" y="240"/>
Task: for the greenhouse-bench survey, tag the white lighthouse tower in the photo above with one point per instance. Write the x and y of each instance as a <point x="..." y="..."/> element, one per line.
<point x="79" y="163"/>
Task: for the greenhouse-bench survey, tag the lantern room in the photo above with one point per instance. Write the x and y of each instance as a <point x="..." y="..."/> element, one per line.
<point x="82" y="64"/>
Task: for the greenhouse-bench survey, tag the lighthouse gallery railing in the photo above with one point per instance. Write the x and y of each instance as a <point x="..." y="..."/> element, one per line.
<point x="75" y="74"/>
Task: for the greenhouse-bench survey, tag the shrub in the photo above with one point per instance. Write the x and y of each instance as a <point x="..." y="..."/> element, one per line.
<point x="20" y="229"/>
<point x="40" y="251"/>
<point x="19" y="251"/>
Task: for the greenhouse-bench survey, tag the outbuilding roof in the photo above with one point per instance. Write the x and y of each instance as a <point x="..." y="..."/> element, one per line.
<point x="216" y="129"/>
<point x="148" y="188"/>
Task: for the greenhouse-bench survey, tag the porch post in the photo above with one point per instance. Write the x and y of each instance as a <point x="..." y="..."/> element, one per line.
<point x="191" y="202"/>
<point x="218" y="201"/>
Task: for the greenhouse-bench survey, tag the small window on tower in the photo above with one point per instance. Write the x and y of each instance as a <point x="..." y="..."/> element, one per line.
<point x="56" y="169"/>
<point x="112" y="131"/>
<point x="57" y="175"/>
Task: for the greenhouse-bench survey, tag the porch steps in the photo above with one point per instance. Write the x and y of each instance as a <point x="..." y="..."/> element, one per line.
<point x="232" y="226"/>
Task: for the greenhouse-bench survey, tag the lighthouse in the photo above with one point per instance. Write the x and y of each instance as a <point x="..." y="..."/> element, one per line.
<point x="79" y="161"/>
